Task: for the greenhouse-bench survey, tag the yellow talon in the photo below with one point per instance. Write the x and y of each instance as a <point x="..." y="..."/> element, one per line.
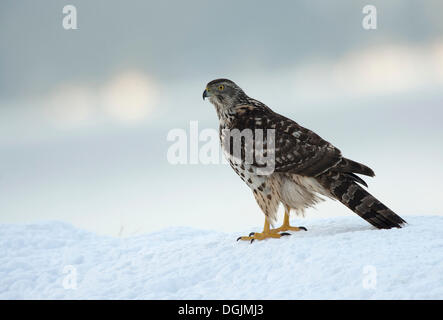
<point x="273" y="233"/>
<point x="260" y="236"/>
<point x="265" y="234"/>
<point x="286" y="227"/>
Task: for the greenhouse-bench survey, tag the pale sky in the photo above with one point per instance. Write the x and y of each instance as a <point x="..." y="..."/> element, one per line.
<point x="84" y="114"/>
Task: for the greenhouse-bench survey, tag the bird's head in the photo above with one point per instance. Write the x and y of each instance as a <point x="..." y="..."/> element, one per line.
<point x="223" y="92"/>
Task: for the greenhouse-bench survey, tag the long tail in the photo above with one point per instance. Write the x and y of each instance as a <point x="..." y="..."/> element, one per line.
<point x="345" y="189"/>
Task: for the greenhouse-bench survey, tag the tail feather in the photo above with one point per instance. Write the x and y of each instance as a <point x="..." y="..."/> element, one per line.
<point x="356" y="178"/>
<point x="348" y="165"/>
<point x="356" y="198"/>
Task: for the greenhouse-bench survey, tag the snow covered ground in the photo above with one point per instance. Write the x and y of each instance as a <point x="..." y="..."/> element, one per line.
<point x="337" y="258"/>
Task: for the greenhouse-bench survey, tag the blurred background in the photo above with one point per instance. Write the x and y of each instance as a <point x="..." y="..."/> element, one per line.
<point x="85" y="114"/>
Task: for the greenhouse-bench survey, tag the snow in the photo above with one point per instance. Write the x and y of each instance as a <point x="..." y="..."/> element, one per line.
<point x="337" y="258"/>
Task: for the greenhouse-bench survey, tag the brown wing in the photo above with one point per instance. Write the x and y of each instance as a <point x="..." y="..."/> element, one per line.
<point x="301" y="151"/>
<point x="297" y="149"/>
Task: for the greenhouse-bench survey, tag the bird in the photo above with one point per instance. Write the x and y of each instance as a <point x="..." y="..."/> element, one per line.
<point x="301" y="168"/>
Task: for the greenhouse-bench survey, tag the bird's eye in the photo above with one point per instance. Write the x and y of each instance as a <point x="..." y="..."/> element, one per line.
<point x="221" y="87"/>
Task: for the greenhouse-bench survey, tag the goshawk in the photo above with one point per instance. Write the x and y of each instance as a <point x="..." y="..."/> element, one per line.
<point x="301" y="165"/>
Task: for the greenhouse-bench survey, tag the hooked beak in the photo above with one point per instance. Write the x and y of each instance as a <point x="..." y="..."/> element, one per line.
<point x="206" y="94"/>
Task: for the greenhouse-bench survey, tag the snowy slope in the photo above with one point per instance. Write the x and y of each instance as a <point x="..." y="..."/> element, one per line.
<point x="337" y="258"/>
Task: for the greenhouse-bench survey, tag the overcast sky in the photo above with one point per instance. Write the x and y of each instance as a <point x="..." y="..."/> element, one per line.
<point x="84" y="114"/>
<point x="183" y="40"/>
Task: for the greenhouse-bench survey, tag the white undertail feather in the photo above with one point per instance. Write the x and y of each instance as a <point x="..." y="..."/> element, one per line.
<point x="299" y="192"/>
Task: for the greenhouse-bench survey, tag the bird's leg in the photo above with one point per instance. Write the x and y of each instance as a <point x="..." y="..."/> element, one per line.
<point x="285" y="226"/>
<point x="266" y="233"/>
